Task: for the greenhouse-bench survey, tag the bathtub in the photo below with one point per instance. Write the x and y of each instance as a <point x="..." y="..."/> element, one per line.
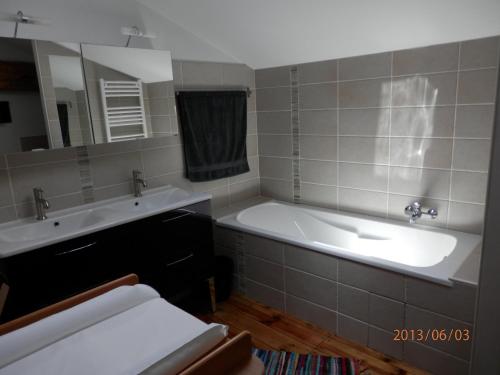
<point x="420" y="251"/>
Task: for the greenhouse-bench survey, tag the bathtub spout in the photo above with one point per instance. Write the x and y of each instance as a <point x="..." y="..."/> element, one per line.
<point x="414" y="211"/>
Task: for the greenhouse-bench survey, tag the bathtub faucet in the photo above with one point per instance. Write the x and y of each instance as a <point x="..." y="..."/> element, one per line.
<point x="414" y="211"/>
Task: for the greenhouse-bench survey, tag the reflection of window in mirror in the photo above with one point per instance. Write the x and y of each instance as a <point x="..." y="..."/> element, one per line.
<point x="130" y="92"/>
<point x="24" y="129"/>
<point x="63" y="93"/>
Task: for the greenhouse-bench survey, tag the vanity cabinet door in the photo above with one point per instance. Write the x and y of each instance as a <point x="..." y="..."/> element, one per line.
<point x="44" y="276"/>
<point x="176" y="250"/>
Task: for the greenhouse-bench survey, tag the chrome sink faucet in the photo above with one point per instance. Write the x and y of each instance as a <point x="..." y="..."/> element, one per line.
<point x="414" y="211"/>
<point x="139" y="183"/>
<point x="41" y="204"/>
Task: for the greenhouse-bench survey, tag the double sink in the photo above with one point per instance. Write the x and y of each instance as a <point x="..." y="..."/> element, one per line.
<point x="27" y="234"/>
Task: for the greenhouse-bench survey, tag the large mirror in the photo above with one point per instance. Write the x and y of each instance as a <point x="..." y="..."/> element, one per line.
<point x="130" y="92"/>
<point x="55" y="95"/>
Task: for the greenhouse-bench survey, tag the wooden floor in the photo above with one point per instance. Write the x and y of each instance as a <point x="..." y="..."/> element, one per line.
<point x="274" y="330"/>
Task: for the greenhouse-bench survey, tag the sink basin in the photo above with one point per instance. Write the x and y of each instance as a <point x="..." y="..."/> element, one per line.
<point x="28" y="234"/>
<point x="47" y="228"/>
<point x="150" y="202"/>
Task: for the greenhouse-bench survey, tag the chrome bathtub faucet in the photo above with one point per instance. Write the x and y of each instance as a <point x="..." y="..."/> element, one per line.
<point x="41" y="204"/>
<point x="414" y="211"/>
<point x="139" y="183"/>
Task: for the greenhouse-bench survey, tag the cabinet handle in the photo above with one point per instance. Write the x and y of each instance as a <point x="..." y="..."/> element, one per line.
<point x="77" y="249"/>
<point x="175" y="218"/>
<point x="180" y="260"/>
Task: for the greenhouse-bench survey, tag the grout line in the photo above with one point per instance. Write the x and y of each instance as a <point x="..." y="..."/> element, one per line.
<point x="337" y="190"/>
<point x="11" y="186"/>
<point x="383" y="76"/>
<point x="390" y="134"/>
<point x="448" y="216"/>
<point x="377" y="136"/>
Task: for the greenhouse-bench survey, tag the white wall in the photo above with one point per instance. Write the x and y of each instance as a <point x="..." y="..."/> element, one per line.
<point x="263" y="33"/>
<point x="99" y="22"/>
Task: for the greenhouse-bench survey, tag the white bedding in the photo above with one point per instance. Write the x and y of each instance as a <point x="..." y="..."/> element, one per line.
<point x="150" y="334"/>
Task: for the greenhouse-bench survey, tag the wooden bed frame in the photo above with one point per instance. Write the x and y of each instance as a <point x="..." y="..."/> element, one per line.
<point x="231" y="357"/>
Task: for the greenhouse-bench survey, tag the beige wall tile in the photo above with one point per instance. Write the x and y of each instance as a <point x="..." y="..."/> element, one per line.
<point x="273" y="99"/>
<point x="368" y="93"/>
<point x="423" y="122"/>
<point x="471" y="154"/>
<point x="318" y="96"/>
<point x="272" y="77"/>
<point x="318" y="171"/>
<point x="318" y="122"/>
<point x="364" y="149"/>
<point x="316" y="72"/>
<point x="474" y="121"/>
<point x="318" y="195"/>
<point x="469" y="186"/>
<point x="366" y="121"/>
<point x="421" y="152"/>
<point x="363" y="176"/>
<point x="55" y="179"/>
<point x="275" y="145"/>
<point x="439" y="58"/>
<point x="420" y="182"/>
<point x="479" y="53"/>
<point x="368" y="66"/>
<point x="276" y="167"/>
<point x="274" y="122"/>
<point x="318" y="147"/>
<point x="477" y="86"/>
<point x="429" y="90"/>
<point x="362" y="201"/>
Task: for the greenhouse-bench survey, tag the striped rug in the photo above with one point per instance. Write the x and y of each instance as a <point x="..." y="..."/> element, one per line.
<point x="289" y="363"/>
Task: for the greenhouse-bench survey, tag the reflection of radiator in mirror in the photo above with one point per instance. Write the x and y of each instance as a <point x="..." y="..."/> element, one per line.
<point x="123" y="106"/>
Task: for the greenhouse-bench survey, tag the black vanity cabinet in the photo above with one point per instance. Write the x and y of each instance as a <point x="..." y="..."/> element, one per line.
<point x="175" y="249"/>
<point x="172" y="252"/>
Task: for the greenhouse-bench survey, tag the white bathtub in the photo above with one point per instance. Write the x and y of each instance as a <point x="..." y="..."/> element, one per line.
<point x="425" y="252"/>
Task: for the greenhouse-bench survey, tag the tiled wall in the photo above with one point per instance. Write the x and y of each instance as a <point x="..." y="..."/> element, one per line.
<point x="372" y="133"/>
<point x="361" y="303"/>
<point x="73" y="176"/>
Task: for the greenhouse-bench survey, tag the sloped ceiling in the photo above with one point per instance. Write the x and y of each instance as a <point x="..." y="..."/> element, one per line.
<point x="266" y="33"/>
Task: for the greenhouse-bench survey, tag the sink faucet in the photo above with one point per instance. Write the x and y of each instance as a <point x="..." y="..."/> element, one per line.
<point x="139" y="183"/>
<point x="414" y="211"/>
<point x="41" y="204"/>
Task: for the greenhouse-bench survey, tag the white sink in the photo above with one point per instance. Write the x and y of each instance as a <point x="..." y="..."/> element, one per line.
<point x="27" y="234"/>
<point x="51" y="227"/>
<point x="150" y="202"/>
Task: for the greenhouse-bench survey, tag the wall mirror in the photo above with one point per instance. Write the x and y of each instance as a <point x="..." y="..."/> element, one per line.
<point x="130" y="91"/>
<point x="55" y="95"/>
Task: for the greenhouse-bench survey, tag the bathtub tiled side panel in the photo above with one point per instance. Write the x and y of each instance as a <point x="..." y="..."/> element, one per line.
<point x="385" y="283"/>
<point x="312" y="262"/>
<point x="312" y="313"/>
<point x="457" y="302"/>
<point x="320" y="291"/>
<point x="356" y="301"/>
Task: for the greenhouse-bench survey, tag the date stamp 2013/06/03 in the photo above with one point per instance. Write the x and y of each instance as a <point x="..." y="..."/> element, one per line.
<point x="432" y="334"/>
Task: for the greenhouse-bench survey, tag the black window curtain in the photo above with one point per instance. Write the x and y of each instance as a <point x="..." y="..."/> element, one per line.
<point x="213" y="128"/>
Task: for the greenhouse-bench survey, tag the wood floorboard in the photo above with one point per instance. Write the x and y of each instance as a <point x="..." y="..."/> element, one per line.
<point x="274" y="330"/>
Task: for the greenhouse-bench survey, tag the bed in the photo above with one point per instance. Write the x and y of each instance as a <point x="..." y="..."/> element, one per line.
<point x="122" y="327"/>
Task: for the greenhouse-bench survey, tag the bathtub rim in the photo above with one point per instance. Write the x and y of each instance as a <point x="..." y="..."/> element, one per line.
<point x="438" y="274"/>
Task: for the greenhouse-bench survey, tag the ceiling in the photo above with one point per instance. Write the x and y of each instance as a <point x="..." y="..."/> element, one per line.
<point x="266" y="33"/>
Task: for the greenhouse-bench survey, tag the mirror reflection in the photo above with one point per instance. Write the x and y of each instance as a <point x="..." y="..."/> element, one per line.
<point x="55" y="95"/>
<point x="22" y="122"/>
<point x="130" y="92"/>
<point x="63" y="94"/>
